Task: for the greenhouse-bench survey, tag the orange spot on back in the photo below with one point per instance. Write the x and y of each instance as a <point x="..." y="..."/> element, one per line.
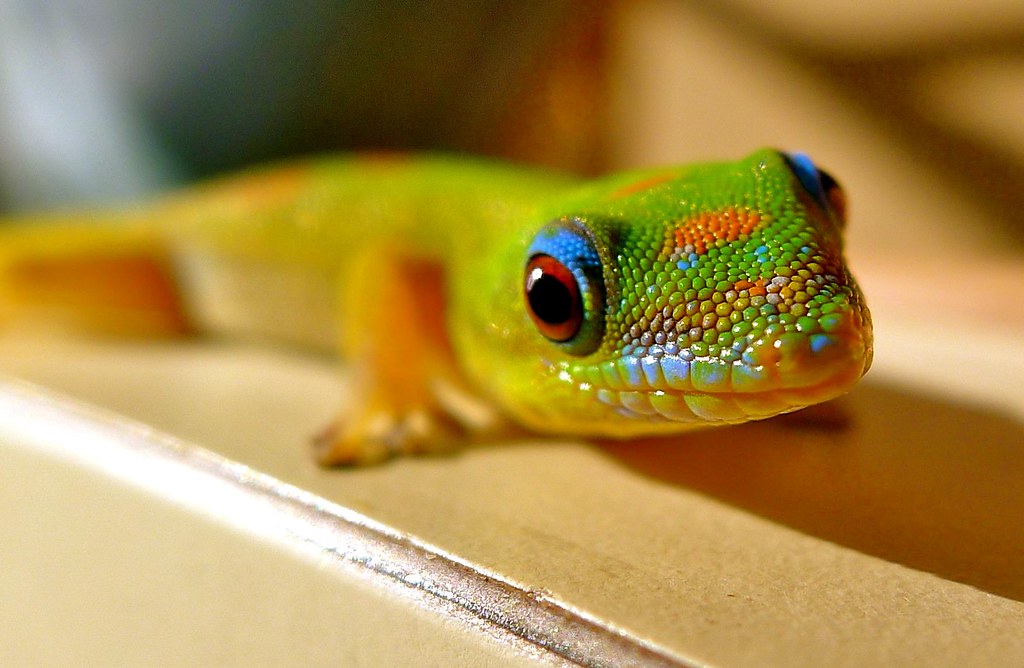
<point x="756" y="289"/>
<point x="271" y="188"/>
<point x="254" y="191"/>
<point x="706" y="229"/>
<point x="644" y="184"/>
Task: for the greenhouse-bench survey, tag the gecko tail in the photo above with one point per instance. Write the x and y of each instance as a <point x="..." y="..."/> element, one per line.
<point x="95" y="276"/>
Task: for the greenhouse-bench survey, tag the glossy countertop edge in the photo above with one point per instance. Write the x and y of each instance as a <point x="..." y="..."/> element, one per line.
<point x="307" y="524"/>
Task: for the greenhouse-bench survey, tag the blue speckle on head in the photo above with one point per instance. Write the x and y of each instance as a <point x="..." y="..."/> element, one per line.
<point x="689" y="262"/>
<point x="820" y="342"/>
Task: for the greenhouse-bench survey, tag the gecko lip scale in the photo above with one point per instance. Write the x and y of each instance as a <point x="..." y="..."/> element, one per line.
<point x="777" y="375"/>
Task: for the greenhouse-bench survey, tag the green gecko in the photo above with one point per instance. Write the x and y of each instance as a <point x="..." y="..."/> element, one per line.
<point x="472" y="298"/>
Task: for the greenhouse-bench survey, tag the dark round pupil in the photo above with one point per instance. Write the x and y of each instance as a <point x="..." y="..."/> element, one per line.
<point x="828" y="183"/>
<point x="551" y="300"/>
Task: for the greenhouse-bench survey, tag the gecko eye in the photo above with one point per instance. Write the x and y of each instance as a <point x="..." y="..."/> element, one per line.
<point x="563" y="286"/>
<point x="834" y="195"/>
<point x="553" y="298"/>
<point x="818" y="183"/>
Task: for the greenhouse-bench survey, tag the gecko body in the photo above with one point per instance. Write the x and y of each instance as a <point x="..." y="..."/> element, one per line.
<point x="642" y="303"/>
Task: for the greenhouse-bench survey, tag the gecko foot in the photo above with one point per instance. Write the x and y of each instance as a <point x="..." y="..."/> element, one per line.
<point x="381" y="435"/>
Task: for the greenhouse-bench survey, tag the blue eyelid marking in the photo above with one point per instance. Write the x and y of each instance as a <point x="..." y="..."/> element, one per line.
<point x="809" y="176"/>
<point x="569" y="246"/>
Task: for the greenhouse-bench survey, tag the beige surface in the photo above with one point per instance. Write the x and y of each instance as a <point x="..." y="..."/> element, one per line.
<point x="99" y="573"/>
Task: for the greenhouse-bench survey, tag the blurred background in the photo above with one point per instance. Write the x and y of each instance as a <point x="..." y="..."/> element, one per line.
<point x="917" y="107"/>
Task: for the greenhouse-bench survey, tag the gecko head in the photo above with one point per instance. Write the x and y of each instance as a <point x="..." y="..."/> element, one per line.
<point x="711" y="294"/>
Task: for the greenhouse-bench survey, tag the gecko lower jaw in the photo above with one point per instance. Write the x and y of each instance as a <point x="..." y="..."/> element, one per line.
<point x="775" y="375"/>
<point x="673" y="406"/>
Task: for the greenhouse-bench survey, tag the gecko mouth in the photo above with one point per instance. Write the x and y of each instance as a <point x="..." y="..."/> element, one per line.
<point x="773" y="376"/>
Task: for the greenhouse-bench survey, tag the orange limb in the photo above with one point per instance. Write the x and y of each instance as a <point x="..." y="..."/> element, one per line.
<point x="393" y="335"/>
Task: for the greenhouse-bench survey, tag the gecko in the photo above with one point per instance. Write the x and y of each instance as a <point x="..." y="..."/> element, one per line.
<point x="472" y="298"/>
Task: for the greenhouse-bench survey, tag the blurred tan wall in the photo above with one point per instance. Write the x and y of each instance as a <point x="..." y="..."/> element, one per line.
<point x="915" y="107"/>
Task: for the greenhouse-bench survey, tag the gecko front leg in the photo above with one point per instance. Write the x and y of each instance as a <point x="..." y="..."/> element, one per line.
<point x="393" y="338"/>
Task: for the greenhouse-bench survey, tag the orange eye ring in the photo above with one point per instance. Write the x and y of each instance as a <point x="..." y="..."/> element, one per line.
<point x="553" y="298"/>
